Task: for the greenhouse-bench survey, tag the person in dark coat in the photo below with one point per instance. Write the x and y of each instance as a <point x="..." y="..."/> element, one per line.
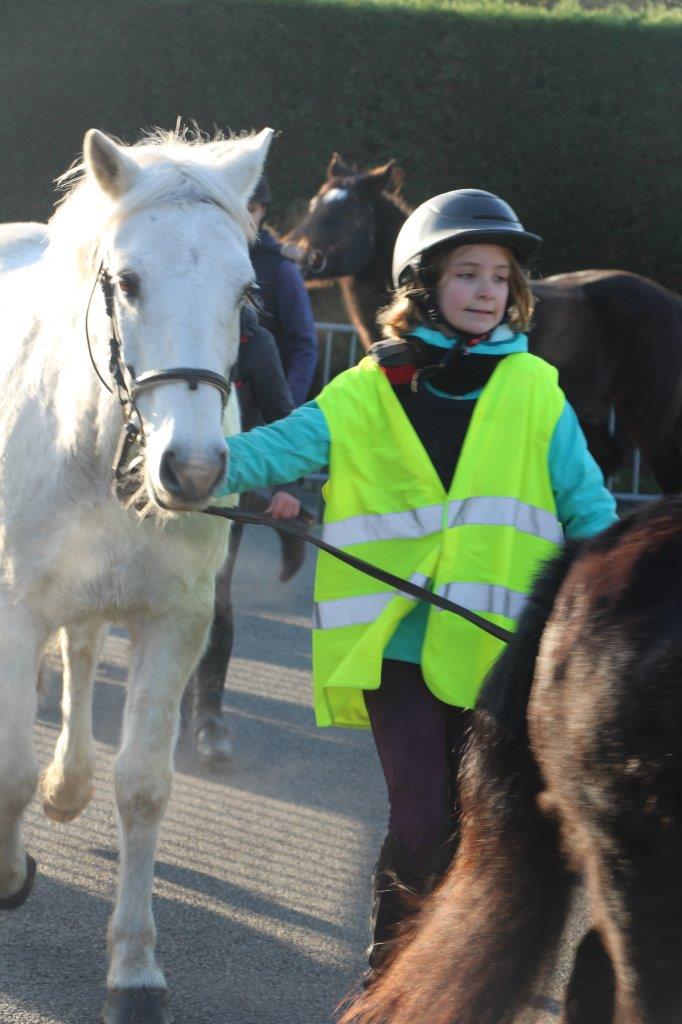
<point x="287" y="313"/>
<point x="264" y="396"/>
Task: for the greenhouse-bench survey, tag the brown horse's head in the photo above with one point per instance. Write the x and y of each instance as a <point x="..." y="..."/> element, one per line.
<point x="339" y="232"/>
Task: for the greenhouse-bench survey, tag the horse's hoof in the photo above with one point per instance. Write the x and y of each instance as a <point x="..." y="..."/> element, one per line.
<point x="12" y="902"/>
<point x="137" y="1006"/>
<point x="74" y="803"/>
<point x="64" y="814"/>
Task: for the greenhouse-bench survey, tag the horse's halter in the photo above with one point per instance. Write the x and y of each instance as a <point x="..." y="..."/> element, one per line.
<point x="127" y="386"/>
<point x="317" y="260"/>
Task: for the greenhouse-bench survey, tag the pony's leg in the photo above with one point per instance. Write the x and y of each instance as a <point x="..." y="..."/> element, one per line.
<point x="632" y="875"/>
<point x="164" y="652"/>
<point x="590" y="993"/>
<point x="22" y="636"/>
<point x="649" y="923"/>
<point x="66" y="785"/>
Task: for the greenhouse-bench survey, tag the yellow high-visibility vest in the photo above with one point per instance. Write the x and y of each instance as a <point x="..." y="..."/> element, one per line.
<point x="479" y="544"/>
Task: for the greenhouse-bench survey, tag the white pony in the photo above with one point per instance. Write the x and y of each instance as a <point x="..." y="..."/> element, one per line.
<point x="168" y="221"/>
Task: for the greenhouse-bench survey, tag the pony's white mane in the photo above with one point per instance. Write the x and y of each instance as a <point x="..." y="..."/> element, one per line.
<point x="181" y="168"/>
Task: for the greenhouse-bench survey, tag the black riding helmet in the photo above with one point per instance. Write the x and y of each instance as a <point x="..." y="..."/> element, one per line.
<point x="462" y="217"/>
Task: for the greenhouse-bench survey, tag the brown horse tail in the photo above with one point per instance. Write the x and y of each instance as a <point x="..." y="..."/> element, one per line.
<point x="477" y="948"/>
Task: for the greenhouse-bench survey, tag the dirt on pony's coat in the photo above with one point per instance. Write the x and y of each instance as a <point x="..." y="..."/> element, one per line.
<point x="574" y="768"/>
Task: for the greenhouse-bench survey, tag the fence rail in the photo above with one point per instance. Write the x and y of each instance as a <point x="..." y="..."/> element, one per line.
<point x="341" y="348"/>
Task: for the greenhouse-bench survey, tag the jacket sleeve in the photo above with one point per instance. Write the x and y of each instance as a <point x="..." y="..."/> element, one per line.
<point x="584" y="505"/>
<point x="270" y="388"/>
<point x="298" y="337"/>
<point x="279" y="453"/>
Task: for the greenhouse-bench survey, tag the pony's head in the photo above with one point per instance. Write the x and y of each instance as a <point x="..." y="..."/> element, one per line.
<point x="338" y="232"/>
<point x="174" y="238"/>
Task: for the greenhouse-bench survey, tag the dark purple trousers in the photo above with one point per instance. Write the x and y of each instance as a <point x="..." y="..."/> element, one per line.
<point x="419" y="740"/>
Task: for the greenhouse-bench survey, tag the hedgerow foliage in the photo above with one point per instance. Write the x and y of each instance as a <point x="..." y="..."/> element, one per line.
<point x="569" y="110"/>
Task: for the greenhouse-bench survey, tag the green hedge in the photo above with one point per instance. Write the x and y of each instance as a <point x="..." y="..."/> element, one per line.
<point x="572" y="115"/>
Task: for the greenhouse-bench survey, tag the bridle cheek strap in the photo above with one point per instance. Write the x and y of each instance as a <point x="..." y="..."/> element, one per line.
<point x="128" y="386"/>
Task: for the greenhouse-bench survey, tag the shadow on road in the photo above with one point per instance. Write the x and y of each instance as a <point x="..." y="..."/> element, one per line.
<point x="222" y="971"/>
<point x="219" y="891"/>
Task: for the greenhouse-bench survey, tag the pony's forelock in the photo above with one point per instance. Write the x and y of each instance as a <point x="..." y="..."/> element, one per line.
<point x="180" y="167"/>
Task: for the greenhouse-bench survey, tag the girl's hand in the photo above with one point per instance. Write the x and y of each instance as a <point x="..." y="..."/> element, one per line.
<point x="283" y="506"/>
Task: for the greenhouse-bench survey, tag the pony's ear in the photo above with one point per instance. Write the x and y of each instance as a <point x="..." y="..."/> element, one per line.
<point x="109" y="164"/>
<point x="244" y="164"/>
<point x="338" y="168"/>
<point x="379" y="179"/>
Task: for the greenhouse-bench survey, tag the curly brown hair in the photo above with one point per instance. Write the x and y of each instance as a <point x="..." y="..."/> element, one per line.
<point x="403" y="314"/>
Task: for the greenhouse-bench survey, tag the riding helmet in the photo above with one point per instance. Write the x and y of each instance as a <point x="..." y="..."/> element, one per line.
<point x="462" y="217"/>
<point x="261" y="193"/>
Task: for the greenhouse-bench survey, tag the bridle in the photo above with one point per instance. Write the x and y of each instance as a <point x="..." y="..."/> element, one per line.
<point x="127" y="386"/>
<point x="316" y="260"/>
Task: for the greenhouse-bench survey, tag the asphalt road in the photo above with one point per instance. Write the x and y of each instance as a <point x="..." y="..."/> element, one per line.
<point x="263" y="871"/>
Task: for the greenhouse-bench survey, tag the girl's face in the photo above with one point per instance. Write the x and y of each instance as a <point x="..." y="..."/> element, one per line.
<point x="473" y="290"/>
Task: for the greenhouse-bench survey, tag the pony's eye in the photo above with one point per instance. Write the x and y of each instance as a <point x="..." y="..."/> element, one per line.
<point x="248" y="293"/>
<point x="129" y="284"/>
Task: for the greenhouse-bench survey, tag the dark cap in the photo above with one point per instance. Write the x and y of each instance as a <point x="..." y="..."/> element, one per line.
<point x="261" y="193"/>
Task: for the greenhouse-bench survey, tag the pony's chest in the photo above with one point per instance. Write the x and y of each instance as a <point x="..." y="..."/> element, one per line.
<point x="113" y="573"/>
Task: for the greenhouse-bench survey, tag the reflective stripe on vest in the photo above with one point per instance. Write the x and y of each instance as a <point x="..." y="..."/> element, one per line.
<point x="416" y="522"/>
<point x="420" y="522"/>
<point x="477" y="597"/>
<point x="354" y="611"/>
<point x="506" y="512"/>
<point x="484" y="597"/>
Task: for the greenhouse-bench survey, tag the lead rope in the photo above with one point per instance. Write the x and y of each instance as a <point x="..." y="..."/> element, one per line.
<point x="396" y="582"/>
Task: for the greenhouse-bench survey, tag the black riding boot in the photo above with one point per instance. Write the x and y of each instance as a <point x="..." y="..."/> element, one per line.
<point x="209" y="732"/>
<point x="293" y="548"/>
<point x="293" y="555"/>
<point x="400" y="883"/>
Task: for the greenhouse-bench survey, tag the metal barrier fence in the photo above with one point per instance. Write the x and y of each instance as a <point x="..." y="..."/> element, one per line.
<point x="341" y="348"/>
<point x="642" y="486"/>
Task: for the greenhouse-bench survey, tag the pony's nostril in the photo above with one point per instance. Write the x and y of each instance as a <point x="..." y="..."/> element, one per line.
<point x="168" y="474"/>
<point x="191" y="479"/>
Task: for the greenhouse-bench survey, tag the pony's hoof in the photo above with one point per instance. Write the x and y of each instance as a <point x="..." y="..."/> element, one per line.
<point x="64" y="814"/>
<point x="59" y="804"/>
<point x="137" y="1006"/>
<point x="12" y="902"/>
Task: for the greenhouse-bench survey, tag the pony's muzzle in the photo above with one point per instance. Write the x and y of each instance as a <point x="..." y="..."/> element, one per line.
<point x="190" y="482"/>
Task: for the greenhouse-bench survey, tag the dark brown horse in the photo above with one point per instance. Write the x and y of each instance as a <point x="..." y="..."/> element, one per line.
<point x="348" y="236"/>
<point x="615" y="337"/>
<point x="573" y="769"/>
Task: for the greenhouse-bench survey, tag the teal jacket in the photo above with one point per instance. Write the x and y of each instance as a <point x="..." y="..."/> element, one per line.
<point x="299" y="444"/>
